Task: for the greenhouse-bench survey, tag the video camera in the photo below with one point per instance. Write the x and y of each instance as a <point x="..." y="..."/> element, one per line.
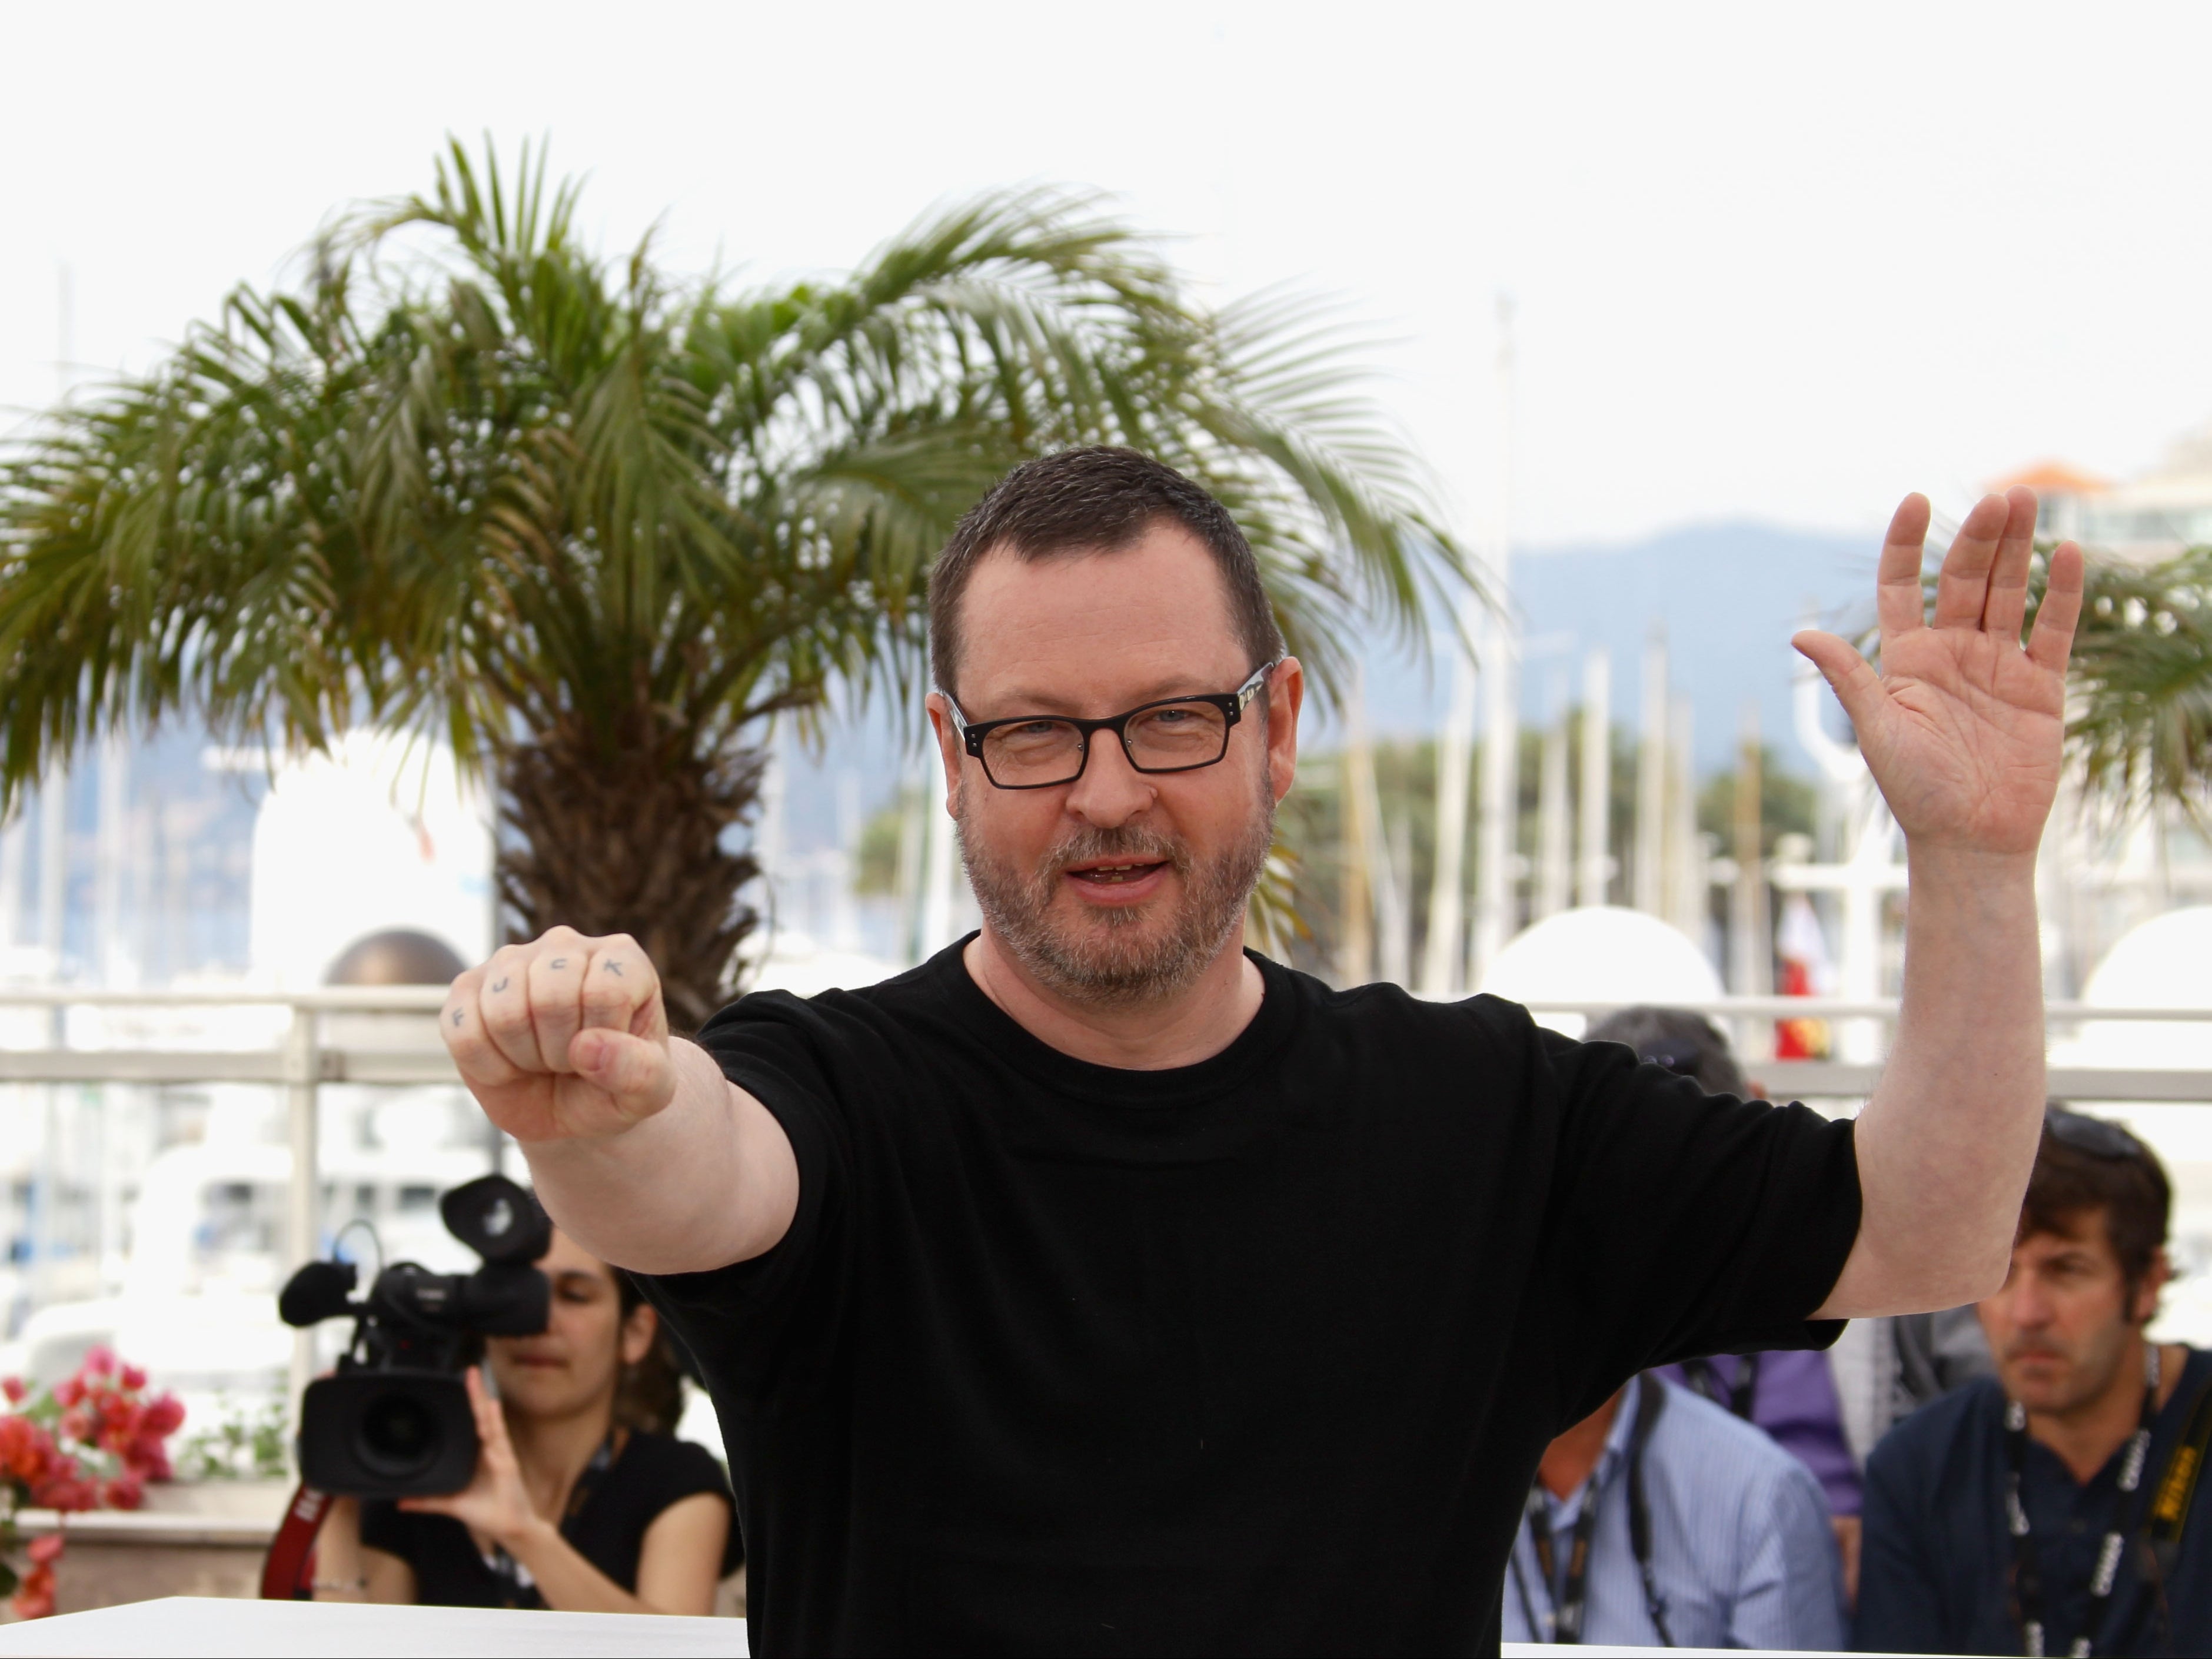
<point x="394" y="1420"/>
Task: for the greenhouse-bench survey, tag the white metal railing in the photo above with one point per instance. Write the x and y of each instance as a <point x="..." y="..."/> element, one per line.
<point x="1840" y="1079"/>
<point x="407" y="1051"/>
<point x="301" y="1065"/>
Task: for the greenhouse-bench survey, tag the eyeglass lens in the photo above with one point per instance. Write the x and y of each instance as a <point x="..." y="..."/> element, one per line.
<point x="1170" y="738"/>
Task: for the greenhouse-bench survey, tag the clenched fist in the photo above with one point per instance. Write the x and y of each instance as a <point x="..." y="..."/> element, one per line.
<point x="562" y="1038"/>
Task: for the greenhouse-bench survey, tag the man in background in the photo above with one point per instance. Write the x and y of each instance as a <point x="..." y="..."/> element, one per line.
<point x="1791" y="1395"/>
<point x="2054" y="1508"/>
<point x="1663" y="1520"/>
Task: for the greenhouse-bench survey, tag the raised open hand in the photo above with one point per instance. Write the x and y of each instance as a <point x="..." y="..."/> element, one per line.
<point x="562" y="1038"/>
<point x="1962" y="727"/>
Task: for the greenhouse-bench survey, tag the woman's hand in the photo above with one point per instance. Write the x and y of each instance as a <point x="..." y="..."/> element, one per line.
<point x="494" y="1504"/>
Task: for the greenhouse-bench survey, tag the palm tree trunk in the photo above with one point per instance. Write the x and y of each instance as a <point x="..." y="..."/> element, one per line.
<point x="626" y="837"/>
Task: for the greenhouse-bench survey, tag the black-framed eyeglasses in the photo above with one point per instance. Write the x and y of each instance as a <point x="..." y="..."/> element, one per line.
<point x="1176" y="734"/>
<point x="2094" y="1135"/>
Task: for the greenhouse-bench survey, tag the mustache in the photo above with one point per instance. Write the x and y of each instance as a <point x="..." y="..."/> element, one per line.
<point x="1131" y="841"/>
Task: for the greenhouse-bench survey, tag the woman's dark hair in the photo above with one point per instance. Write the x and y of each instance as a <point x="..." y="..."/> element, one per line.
<point x="2086" y="1165"/>
<point x="649" y="1397"/>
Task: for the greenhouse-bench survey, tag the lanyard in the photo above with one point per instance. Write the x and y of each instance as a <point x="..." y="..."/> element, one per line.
<point x="2027" y="1576"/>
<point x="513" y="1577"/>
<point x="1571" y="1601"/>
<point x="1702" y="1376"/>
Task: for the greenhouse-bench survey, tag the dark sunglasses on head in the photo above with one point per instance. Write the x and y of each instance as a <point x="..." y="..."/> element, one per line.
<point x="1679" y="1058"/>
<point x="2093" y="1135"/>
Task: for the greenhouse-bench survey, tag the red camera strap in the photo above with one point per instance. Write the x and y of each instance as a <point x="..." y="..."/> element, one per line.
<point x="288" y="1573"/>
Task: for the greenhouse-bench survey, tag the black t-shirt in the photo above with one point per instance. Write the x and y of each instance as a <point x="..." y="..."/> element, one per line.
<point x="1254" y="1356"/>
<point x="650" y="1473"/>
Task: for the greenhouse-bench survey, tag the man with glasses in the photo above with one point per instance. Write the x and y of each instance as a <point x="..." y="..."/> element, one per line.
<point x="2055" y="1507"/>
<point x="1100" y="1286"/>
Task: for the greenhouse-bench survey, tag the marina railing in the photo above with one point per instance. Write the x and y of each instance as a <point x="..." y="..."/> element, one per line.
<point x="387" y="1036"/>
<point x="1846" y="1080"/>
<point x="375" y="1034"/>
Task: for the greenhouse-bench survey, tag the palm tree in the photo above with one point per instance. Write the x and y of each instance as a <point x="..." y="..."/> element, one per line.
<point x="596" y="526"/>
<point x="2141" y="722"/>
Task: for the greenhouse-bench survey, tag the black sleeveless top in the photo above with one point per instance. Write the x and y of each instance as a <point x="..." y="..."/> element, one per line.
<point x="650" y="1473"/>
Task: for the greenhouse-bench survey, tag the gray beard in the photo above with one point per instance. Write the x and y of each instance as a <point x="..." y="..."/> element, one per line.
<point x="1106" y="957"/>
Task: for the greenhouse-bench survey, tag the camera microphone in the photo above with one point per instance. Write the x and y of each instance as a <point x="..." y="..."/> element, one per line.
<point x="319" y="1291"/>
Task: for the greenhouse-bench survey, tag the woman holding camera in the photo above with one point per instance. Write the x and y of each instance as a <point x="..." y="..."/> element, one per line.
<point x="582" y="1501"/>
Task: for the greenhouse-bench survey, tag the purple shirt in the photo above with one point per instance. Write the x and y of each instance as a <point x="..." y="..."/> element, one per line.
<point x="1794" y="1401"/>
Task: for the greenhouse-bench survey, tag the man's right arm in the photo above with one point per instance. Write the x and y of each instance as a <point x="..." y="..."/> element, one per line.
<point x="640" y="1148"/>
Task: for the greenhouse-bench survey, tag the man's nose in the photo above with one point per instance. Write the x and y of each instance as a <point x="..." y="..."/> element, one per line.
<point x="2027" y="1303"/>
<point x="1110" y="791"/>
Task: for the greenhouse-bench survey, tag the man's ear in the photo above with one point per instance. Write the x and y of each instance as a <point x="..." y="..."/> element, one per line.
<point x="2154" y="1279"/>
<point x="1287" y="695"/>
<point x="949" y="747"/>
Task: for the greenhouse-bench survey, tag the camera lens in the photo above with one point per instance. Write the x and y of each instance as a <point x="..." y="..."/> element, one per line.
<point x="398" y="1435"/>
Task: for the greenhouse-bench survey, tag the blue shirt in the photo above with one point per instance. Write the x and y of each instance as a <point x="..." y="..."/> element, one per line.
<point x="1740" y="1543"/>
<point x="1794" y="1399"/>
<point x="1936" y="1570"/>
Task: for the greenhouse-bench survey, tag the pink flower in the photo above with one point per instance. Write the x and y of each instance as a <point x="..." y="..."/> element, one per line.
<point x="124" y="1492"/>
<point x="134" y="1377"/>
<point x="14" y="1389"/>
<point x="26" y="1449"/>
<point x="147" y="1458"/>
<point x="34" y="1597"/>
<point x="100" y="1362"/>
<point x="69" y="1393"/>
<point x="77" y="1424"/>
<point x="46" y="1549"/>
<point x="165" y="1414"/>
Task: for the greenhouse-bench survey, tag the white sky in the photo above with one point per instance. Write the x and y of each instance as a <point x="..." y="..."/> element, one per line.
<point x="1779" y="262"/>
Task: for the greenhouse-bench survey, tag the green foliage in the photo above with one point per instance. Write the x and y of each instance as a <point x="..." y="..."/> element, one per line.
<point x="245" y="1441"/>
<point x="1787" y="806"/>
<point x="2139" y="712"/>
<point x="470" y="477"/>
<point x="877" y="873"/>
<point x="2141" y="683"/>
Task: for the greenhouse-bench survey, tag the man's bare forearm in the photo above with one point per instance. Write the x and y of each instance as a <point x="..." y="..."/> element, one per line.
<point x="691" y="1187"/>
<point x="1946" y="1144"/>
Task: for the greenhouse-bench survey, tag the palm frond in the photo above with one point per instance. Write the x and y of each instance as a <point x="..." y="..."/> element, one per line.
<point x="466" y="475"/>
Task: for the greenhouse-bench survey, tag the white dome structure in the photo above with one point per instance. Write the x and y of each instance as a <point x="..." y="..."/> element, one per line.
<point x="1600" y="953"/>
<point x="2163" y="963"/>
<point x="379" y="834"/>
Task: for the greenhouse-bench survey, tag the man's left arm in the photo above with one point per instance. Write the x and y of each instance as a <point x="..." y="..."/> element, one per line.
<point x="1962" y="729"/>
